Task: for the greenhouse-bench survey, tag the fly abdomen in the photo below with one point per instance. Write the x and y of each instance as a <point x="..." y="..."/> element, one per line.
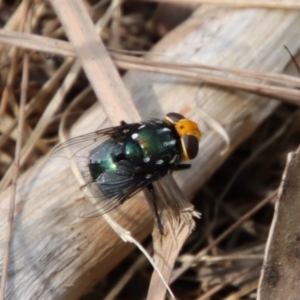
<point x="102" y="158"/>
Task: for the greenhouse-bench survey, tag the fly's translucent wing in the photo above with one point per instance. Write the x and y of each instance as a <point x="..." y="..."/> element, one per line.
<point x="104" y="204"/>
<point x="110" y="189"/>
<point x="83" y="144"/>
<point x="78" y="149"/>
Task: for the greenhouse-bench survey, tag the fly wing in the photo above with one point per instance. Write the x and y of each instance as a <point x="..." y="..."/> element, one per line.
<point x="83" y="144"/>
<point x="113" y="190"/>
<point x="78" y="150"/>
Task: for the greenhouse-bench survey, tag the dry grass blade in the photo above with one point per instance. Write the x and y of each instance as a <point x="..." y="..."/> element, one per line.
<point x="36" y="42"/>
<point x="248" y="288"/>
<point x="15" y="176"/>
<point x="293" y="58"/>
<point x="6" y="93"/>
<point x="161" y="61"/>
<point x="227" y="281"/>
<point x="44" y="92"/>
<point x="43" y="123"/>
<point x="279" y="86"/>
<point x="291" y="95"/>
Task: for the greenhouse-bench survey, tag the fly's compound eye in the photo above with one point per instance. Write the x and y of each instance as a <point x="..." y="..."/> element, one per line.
<point x="190" y="146"/>
<point x="173" y="118"/>
<point x="188" y="132"/>
<point x="190" y="135"/>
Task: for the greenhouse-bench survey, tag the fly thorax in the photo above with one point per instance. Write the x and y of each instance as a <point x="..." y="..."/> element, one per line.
<point x="159" y="145"/>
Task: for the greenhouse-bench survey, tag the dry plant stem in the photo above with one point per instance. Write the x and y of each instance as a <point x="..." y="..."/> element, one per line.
<point x="237" y="224"/>
<point x="102" y="23"/>
<point x="144" y="58"/>
<point x="43" y="122"/>
<point x="58" y="47"/>
<point x="284" y="4"/>
<point x="185" y="70"/>
<point x="115" y="26"/>
<point x="244" y="291"/>
<point x="280" y="273"/>
<point x="47" y="88"/>
<point x="217" y="258"/>
<point x="14" y="21"/>
<point x="150" y="60"/>
<point x="290" y="95"/>
<point x="229" y="280"/>
<point x="281" y="92"/>
<point x="293" y="58"/>
<point x="10" y="79"/>
<point x="10" y="216"/>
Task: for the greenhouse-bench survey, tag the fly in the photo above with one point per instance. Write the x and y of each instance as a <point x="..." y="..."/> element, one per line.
<point x="118" y="162"/>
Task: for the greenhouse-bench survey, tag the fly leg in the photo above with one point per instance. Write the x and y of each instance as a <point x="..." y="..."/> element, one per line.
<point x="182" y="167"/>
<point x="153" y="198"/>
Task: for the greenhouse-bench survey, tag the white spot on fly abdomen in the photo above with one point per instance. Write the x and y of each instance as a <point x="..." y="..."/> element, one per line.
<point x="134" y="136"/>
<point x="148" y="176"/>
<point x="159" y="162"/>
<point x="146" y="159"/>
<point x="142" y="126"/>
